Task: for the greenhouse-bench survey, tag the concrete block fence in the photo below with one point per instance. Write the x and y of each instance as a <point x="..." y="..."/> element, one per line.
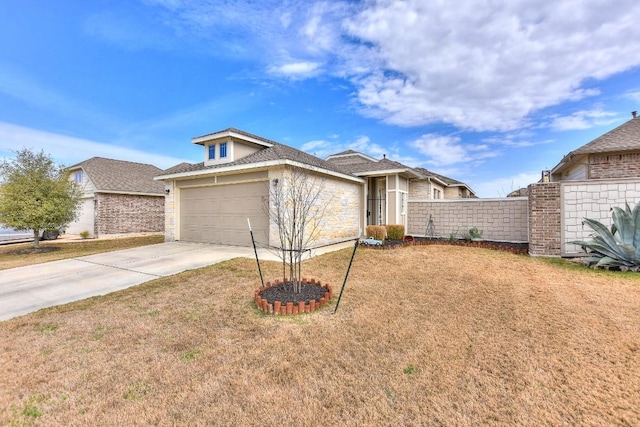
<point x="550" y="217"/>
<point x="504" y="219"/>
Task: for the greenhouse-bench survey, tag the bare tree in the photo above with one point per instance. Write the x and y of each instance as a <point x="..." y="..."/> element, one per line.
<point x="297" y="211"/>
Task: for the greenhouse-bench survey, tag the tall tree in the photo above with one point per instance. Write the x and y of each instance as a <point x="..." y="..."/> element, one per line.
<point x="297" y="211"/>
<point x="36" y="194"/>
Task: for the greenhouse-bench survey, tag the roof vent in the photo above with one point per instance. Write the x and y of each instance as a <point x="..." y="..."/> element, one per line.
<point x="634" y="114"/>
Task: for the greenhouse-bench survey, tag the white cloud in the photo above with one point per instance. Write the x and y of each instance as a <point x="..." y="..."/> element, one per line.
<point x="634" y="95"/>
<point x="487" y="68"/>
<point x="444" y="150"/>
<point x="70" y="150"/>
<point x="414" y="62"/>
<point x="297" y="69"/>
<point x="584" y="119"/>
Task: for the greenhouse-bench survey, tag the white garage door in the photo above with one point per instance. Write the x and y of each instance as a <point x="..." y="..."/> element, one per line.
<point x="85" y="219"/>
<point x="218" y="214"/>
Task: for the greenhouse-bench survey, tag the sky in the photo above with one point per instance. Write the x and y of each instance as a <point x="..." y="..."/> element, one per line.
<point x="487" y="92"/>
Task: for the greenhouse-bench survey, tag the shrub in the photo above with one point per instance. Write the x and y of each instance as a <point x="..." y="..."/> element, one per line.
<point x="84" y="234"/>
<point x="378" y="232"/>
<point x="474" y="233"/>
<point x="618" y="247"/>
<point x="395" y="231"/>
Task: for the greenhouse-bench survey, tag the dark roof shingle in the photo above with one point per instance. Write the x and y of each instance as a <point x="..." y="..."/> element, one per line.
<point x="121" y="176"/>
<point x="625" y="137"/>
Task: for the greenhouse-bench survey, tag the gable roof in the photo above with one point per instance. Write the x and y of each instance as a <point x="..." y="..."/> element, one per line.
<point x="360" y="164"/>
<point x="110" y="175"/>
<point x="272" y="152"/>
<point x="625" y="137"/>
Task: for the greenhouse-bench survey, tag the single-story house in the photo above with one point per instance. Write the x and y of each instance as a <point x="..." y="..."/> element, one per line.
<point x="211" y="201"/>
<point x="615" y="154"/>
<point x="119" y="197"/>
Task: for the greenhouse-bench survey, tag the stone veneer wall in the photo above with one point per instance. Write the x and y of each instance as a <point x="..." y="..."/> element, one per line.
<point x="609" y="166"/>
<point x="341" y="219"/>
<point x="544" y="219"/>
<point x="124" y="213"/>
<point x="499" y="219"/>
<point x="419" y="189"/>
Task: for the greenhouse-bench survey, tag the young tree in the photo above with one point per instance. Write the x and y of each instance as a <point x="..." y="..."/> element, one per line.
<point x="36" y="194"/>
<point x="295" y="208"/>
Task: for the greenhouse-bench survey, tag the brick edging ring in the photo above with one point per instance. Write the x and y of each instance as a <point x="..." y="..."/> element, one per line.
<point x="277" y="308"/>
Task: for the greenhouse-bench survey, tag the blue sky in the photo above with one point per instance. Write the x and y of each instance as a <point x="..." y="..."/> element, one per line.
<point x="486" y="92"/>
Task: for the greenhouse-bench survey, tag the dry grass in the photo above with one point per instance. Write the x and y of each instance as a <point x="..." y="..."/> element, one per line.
<point x="11" y="255"/>
<point x="429" y="335"/>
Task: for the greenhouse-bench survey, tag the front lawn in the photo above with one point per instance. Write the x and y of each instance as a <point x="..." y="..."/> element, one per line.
<point x="425" y="335"/>
<point x="21" y="254"/>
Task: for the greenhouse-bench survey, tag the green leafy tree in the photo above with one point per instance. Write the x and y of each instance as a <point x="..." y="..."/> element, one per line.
<point x="36" y="194"/>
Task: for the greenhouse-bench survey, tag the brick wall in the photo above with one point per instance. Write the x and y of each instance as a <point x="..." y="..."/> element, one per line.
<point x="623" y="165"/>
<point x="499" y="219"/>
<point x="544" y="219"/>
<point x="123" y="213"/>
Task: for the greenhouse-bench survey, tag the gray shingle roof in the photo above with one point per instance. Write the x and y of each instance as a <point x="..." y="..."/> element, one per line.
<point x="121" y="176"/>
<point x="276" y="152"/>
<point x="369" y="166"/>
<point x="625" y="137"/>
<point x="445" y="179"/>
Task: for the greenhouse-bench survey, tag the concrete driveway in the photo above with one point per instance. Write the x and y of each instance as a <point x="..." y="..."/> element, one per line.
<point x="27" y="289"/>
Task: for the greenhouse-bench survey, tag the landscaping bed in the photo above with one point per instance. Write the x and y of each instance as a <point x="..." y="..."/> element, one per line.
<point x="521" y="248"/>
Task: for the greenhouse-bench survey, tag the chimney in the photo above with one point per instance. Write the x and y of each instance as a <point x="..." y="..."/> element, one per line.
<point x="634" y="114"/>
<point x="384" y="156"/>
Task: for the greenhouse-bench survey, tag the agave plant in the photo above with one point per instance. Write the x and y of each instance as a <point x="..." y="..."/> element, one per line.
<point x="618" y="247"/>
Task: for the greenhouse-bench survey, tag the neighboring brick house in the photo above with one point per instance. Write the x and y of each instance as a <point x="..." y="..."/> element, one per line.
<point x="119" y="197"/>
<point x="616" y="154"/>
<point x="391" y="185"/>
<point x="584" y="184"/>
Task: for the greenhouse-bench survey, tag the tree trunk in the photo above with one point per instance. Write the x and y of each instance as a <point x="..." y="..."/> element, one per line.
<point x="36" y="238"/>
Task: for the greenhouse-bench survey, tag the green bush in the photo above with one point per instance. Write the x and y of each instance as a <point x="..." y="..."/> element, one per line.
<point x="84" y="234"/>
<point x="474" y="233"/>
<point x="395" y="231"/>
<point x="378" y="232"/>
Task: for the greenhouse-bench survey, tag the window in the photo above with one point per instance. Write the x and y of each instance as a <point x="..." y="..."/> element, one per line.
<point x="437" y="194"/>
<point x="212" y="152"/>
<point x="77" y="177"/>
<point x="223" y="150"/>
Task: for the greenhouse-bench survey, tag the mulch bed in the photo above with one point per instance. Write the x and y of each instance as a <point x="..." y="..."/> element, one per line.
<point x="284" y="292"/>
<point x="512" y="247"/>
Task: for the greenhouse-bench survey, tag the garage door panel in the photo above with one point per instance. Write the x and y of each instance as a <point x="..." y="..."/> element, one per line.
<point x="218" y="214"/>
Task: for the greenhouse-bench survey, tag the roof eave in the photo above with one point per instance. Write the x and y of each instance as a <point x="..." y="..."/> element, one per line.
<point x="257" y="165"/>
<point x="389" y="172"/>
